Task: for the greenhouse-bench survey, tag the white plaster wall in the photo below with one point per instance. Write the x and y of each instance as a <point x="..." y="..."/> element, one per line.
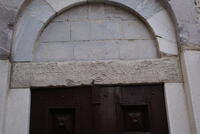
<point x="191" y="65"/>
<point x="177" y="109"/>
<point x="18" y="112"/>
<point x="95" y="32"/>
<point x="4" y="82"/>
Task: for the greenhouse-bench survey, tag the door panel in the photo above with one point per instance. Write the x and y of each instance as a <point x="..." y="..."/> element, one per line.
<point x="99" y="110"/>
<point x="141" y="109"/>
<point x="62" y="111"/>
<point x="105" y="111"/>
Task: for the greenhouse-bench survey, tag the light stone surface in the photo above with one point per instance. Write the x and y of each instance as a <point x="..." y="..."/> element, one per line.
<point x="98" y="50"/>
<point x="163" y="26"/>
<point x="54" y="52"/>
<point x="191" y="68"/>
<point x="26" y="34"/>
<point x="167" y="47"/>
<point x="40" y="9"/>
<point x="105" y="29"/>
<point x="62" y="4"/>
<point x="56" y="31"/>
<point x="18" y="111"/>
<point x="146" y="8"/>
<point x="7" y="19"/>
<point x="4" y="84"/>
<point x="177" y="109"/>
<point x="97" y="72"/>
<point x="137" y="49"/>
<point x="95" y="50"/>
<point x="104" y="34"/>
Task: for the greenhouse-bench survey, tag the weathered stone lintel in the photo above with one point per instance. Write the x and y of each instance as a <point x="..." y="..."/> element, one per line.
<point x="95" y="72"/>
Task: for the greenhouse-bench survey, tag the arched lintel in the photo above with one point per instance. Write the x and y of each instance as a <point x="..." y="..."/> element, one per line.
<point x="39" y="13"/>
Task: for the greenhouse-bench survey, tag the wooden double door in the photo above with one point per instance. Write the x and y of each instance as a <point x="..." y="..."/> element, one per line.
<point x="99" y="110"/>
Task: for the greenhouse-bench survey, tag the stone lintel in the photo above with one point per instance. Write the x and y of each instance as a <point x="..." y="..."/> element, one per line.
<point x="76" y="73"/>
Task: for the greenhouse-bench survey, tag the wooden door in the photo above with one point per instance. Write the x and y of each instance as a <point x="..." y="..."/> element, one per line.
<point x="99" y="110"/>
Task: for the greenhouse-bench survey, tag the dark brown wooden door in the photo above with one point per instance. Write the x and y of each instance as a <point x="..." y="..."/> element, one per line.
<point x="99" y="110"/>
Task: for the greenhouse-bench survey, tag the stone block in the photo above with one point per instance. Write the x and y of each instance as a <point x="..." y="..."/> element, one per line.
<point x="80" y="30"/>
<point x="79" y="13"/>
<point x="96" y="11"/>
<point x="117" y="13"/>
<point x="96" y="50"/>
<point x="76" y="73"/>
<point x="167" y="47"/>
<point x="57" y="51"/>
<point x="8" y="19"/>
<point x="135" y="30"/>
<point x="177" y="109"/>
<point x="138" y="49"/>
<point x="61" y="17"/>
<point x="146" y="8"/>
<point x="163" y="26"/>
<point x="14" y="4"/>
<point x="4" y="45"/>
<point x="56" y="31"/>
<point x="28" y="29"/>
<point x="106" y="29"/>
<point x="18" y="112"/>
<point x="40" y="9"/>
<point x="4" y="82"/>
<point x="63" y="4"/>
<point x="191" y="67"/>
<point x="4" y="54"/>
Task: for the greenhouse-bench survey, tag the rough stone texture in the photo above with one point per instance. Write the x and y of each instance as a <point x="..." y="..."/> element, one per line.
<point x="102" y="72"/>
<point x="191" y="66"/>
<point x="7" y="20"/>
<point x="187" y="21"/>
<point x="177" y="109"/>
<point x="4" y="82"/>
<point x="14" y="4"/>
<point x="102" y="34"/>
<point x="18" y="112"/>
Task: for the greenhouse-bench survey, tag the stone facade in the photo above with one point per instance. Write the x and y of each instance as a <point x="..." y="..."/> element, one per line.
<point x="84" y="42"/>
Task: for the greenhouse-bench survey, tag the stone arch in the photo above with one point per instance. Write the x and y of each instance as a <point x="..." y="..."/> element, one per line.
<point x="38" y="13"/>
<point x="95" y="31"/>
